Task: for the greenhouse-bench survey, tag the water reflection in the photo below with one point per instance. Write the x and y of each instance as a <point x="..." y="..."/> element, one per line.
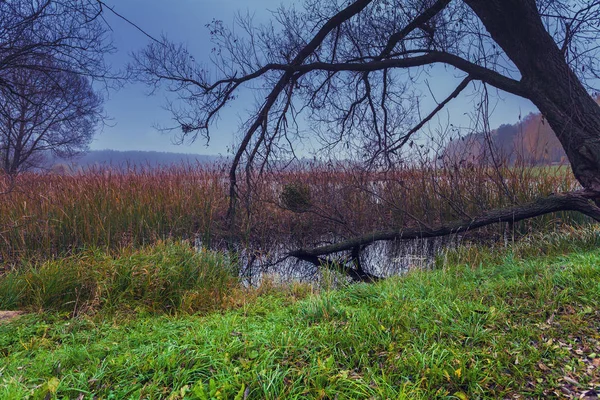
<point x="383" y="259"/>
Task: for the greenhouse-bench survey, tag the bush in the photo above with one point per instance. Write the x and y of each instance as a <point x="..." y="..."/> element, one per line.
<point x="166" y="277"/>
<point x="296" y="197"/>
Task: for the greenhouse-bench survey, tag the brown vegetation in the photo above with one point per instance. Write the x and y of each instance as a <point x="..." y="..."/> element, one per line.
<point x="43" y="216"/>
<point x="7" y="316"/>
<point x="531" y="141"/>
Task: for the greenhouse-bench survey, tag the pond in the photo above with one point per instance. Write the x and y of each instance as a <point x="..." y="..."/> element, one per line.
<point x="383" y="259"/>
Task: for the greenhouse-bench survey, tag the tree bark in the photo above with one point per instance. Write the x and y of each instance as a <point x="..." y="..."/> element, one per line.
<point x="574" y="201"/>
<point x="550" y="83"/>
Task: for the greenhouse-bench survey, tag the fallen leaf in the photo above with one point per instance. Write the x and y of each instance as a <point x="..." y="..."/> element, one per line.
<point x="570" y="380"/>
<point x="461" y="395"/>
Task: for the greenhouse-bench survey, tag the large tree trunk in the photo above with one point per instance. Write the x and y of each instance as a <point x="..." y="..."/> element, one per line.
<point x="552" y="86"/>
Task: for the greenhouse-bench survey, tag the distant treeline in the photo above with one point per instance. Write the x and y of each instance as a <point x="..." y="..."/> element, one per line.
<point x="531" y="141"/>
<point x="114" y="158"/>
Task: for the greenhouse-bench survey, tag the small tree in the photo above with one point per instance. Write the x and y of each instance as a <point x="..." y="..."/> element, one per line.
<point x="296" y="197"/>
<point x="45" y="113"/>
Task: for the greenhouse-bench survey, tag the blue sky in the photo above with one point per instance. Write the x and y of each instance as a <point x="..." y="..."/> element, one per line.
<point x="134" y="113"/>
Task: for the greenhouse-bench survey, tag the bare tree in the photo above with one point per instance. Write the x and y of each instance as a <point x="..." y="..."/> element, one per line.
<point x="71" y="32"/>
<point x="45" y="113"/>
<point x="352" y="68"/>
<point x="51" y="52"/>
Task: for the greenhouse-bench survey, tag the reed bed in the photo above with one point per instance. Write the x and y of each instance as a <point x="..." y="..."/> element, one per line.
<point x="48" y="215"/>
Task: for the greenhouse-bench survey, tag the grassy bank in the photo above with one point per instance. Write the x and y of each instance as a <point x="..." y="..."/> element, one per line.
<point x="510" y="326"/>
<point x="165" y="278"/>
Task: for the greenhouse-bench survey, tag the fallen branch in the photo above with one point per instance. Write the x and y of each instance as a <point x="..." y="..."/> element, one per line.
<point x="357" y="274"/>
<point x="581" y="201"/>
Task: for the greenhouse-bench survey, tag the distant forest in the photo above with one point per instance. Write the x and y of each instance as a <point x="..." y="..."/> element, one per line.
<point x="114" y="158"/>
<point x="531" y="141"/>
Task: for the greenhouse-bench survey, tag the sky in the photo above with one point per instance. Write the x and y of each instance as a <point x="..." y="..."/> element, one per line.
<point x="134" y="114"/>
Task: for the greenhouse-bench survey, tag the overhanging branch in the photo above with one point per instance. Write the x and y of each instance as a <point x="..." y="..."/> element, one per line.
<point x="420" y="20"/>
<point x="404" y="139"/>
<point x="335" y="21"/>
<point x="477" y="72"/>
<point x="580" y="201"/>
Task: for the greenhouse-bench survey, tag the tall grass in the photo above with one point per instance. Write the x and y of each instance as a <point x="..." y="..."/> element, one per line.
<point x="43" y="216"/>
<point x="48" y="215"/>
<point x="166" y="277"/>
<point x="348" y="201"/>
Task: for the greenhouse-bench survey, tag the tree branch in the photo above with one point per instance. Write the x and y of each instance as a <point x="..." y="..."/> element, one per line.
<point x="477" y="72"/>
<point x="418" y="21"/>
<point x="462" y="86"/>
<point x="302" y="55"/>
<point x="572" y="201"/>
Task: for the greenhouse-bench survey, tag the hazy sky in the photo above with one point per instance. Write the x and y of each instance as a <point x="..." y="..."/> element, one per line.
<point x="134" y="113"/>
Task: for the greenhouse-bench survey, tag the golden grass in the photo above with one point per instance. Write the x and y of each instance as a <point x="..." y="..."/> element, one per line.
<point x="48" y="215"/>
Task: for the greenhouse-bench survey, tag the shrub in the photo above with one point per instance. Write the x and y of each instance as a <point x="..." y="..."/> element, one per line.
<point x="296" y="197"/>
<point x="166" y="277"/>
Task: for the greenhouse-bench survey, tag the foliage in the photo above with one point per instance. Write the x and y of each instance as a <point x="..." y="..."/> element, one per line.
<point x="531" y="140"/>
<point x="45" y="114"/>
<point x="295" y="196"/>
<point x="509" y="327"/>
<point x="166" y="277"/>
<point x="51" y="57"/>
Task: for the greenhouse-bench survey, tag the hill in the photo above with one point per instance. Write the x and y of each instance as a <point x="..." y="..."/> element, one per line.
<point x="530" y="140"/>
<point x="116" y="158"/>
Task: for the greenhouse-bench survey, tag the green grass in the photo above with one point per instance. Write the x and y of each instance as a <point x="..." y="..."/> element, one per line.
<point x="512" y="327"/>
<point x="167" y="277"/>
